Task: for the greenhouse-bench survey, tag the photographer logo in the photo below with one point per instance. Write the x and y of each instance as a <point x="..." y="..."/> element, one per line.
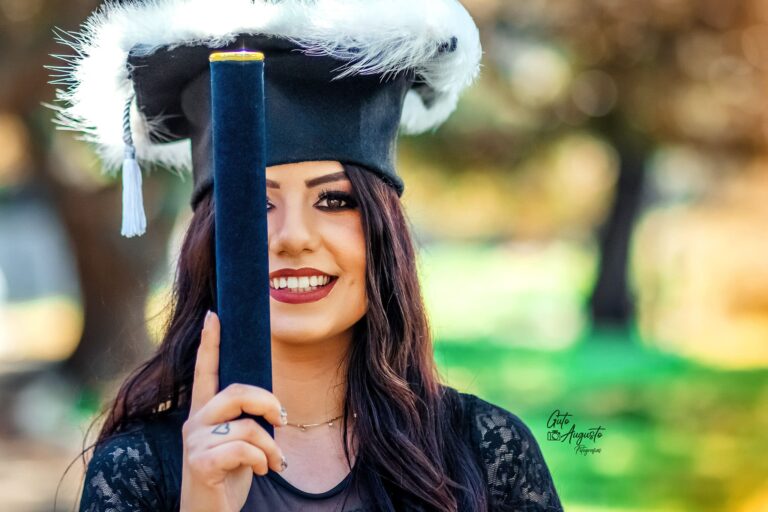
<point x="562" y="427"/>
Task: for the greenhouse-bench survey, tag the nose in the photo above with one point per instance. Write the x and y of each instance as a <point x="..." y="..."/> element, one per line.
<point x="291" y="230"/>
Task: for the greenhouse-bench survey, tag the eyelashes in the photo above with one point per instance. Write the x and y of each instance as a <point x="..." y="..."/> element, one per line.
<point x="337" y="195"/>
<point x="336" y="200"/>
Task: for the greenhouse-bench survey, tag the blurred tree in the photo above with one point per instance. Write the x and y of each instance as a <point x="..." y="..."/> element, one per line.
<point x="114" y="272"/>
<point x="640" y="75"/>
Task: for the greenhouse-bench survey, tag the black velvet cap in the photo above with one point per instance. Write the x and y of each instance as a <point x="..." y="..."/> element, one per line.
<point x="310" y="114"/>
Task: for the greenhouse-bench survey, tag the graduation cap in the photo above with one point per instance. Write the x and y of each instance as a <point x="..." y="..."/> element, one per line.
<point x="157" y="82"/>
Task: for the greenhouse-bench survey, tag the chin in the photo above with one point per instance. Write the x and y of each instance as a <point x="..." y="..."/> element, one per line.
<point x="298" y="332"/>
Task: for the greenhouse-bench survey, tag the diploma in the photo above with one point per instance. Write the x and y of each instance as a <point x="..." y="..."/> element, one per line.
<point x="242" y="258"/>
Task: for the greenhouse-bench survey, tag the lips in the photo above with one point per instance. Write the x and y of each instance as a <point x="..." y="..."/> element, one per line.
<point x="293" y="278"/>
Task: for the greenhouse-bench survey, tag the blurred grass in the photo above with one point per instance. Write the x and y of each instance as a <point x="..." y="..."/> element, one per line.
<point x="678" y="435"/>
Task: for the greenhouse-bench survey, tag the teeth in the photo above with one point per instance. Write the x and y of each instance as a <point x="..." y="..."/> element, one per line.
<point x="299" y="284"/>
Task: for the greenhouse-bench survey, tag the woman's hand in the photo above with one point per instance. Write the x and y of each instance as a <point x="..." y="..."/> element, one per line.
<point x="221" y="454"/>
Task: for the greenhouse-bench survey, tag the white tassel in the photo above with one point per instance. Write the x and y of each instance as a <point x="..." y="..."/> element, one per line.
<point x="134" y="219"/>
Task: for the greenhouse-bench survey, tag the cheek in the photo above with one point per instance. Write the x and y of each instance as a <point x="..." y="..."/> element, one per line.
<point x="355" y="269"/>
<point x="346" y="241"/>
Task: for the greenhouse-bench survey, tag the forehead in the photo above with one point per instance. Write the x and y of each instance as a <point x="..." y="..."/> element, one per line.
<point x="307" y="174"/>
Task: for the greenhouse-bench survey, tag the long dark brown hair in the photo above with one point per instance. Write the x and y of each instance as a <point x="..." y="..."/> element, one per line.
<point x="405" y="430"/>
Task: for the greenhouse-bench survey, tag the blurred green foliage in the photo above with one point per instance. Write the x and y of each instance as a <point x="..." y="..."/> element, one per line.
<point x="678" y="436"/>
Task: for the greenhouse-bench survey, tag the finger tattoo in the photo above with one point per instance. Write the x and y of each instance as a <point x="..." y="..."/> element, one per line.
<point x="222" y="429"/>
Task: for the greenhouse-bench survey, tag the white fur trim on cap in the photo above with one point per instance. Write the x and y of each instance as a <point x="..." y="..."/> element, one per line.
<point x="374" y="36"/>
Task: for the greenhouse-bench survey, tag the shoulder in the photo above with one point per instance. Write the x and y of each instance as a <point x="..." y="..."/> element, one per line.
<point x="134" y="469"/>
<point x="123" y="474"/>
<point x="491" y="420"/>
<point x="515" y="470"/>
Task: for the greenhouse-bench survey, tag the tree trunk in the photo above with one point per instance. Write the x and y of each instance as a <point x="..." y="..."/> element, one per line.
<point x="611" y="302"/>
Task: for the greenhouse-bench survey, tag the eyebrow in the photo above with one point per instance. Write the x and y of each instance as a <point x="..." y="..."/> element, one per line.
<point x="337" y="176"/>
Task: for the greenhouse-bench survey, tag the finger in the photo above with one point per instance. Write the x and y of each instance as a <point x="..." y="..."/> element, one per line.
<point x="237" y="398"/>
<point x="248" y="430"/>
<point x="206" y="381"/>
<point x="217" y="462"/>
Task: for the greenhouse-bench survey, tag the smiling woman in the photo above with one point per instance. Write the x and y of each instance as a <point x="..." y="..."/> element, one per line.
<point x="365" y="352"/>
<point x="372" y="426"/>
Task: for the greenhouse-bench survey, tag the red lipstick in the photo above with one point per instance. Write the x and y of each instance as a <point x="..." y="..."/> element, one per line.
<point x="290" y="297"/>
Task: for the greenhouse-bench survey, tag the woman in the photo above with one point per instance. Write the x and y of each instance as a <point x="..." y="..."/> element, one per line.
<point x="414" y="443"/>
<point x="362" y="419"/>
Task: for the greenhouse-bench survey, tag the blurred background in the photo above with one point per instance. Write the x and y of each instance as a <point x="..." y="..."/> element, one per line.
<point x="600" y="198"/>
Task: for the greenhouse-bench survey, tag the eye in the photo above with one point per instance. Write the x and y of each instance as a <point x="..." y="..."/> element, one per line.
<point x="336" y="200"/>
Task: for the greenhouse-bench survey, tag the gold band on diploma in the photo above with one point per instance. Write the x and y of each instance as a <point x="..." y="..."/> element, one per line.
<point x="239" y="56"/>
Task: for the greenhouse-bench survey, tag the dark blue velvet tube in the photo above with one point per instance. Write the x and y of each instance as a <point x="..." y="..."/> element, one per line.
<point x="242" y="260"/>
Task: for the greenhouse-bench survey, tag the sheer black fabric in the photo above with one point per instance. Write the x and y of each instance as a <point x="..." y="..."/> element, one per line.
<point x="518" y="478"/>
<point x="123" y="475"/>
<point x="140" y="470"/>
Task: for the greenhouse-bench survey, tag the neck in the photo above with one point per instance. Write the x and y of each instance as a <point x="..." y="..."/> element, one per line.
<point x="310" y="379"/>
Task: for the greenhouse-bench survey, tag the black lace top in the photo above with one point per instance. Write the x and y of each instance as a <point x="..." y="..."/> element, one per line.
<point x="140" y="470"/>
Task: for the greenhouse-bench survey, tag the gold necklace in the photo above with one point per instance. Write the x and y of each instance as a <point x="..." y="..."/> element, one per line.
<point x="305" y="426"/>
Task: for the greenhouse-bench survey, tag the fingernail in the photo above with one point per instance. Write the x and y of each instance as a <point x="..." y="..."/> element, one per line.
<point x="283" y="415"/>
<point x="207" y="316"/>
<point x="283" y="463"/>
